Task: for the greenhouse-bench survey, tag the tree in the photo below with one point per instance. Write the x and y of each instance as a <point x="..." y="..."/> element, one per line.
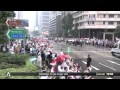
<point x="117" y="31"/>
<point x="3" y="27"/>
<point x="76" y="31"/>
<point x="67" y="24"/>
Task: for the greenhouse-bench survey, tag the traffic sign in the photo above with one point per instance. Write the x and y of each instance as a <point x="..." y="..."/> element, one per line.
<point x="17" y="22"/>
<point x="16" y="34"/>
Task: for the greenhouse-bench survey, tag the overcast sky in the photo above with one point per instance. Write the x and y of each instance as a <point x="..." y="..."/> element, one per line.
<point x="30" y="15"/>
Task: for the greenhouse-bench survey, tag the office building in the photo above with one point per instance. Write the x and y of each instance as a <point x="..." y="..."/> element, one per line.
<point x="56" y="24"/>
<point x="44" y="20"/>
<point x="100" y="24"/>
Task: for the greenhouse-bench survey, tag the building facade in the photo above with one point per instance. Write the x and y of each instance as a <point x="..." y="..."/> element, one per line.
<point x="44" y="20"/>
<point x="30" y="15"/>
<point x="56" y="24"/>
<point x="96" y="23"/>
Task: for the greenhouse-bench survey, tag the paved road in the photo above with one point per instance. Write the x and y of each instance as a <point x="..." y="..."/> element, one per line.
<point x="103" y="61"/>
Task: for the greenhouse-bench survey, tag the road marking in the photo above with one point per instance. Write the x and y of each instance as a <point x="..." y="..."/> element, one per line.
<point x="91" y="66"/>
<point x="85" y="56"/>
<point x="86" y="51"/>
<point x="106" y="55"/>
<point x="113" y="62"/>
<point x="107" y="66"/>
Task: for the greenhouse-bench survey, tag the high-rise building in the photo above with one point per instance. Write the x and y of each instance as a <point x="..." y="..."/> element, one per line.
<point x="96" y="23"/>
<point x="44" y="20"/>
<point x="56" y="24"/>
<point x="30" y="15"/>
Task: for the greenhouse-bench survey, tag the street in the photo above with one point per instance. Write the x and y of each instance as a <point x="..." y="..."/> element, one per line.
<point x="102" y="60"/>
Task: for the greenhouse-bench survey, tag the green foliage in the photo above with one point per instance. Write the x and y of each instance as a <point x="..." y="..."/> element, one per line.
<point x="11" y="61"/>
<point x="32" y="67"/>
<point x="5" y="65"/>
<point x="3" y="27"/>
<point x="117" y="31"/>
<point x="29" y="67"/>
<point x="67" y="24"/>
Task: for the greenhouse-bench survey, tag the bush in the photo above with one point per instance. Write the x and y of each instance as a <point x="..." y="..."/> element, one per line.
<point x="4" y="65"/>
<point x="10" y="61"/>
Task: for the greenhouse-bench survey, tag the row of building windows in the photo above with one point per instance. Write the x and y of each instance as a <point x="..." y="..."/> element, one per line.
<point x="92" y="17"/>
<point x="47" y="17"/>
<point x="103" y="23"/>
<point x="78" y="12"/>
<point x="99" y="16"/>
<point x="109" y="15"/>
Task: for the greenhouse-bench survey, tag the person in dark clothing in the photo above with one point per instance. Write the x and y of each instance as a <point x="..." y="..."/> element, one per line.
<point x="49" y="57"/>
<point x="89" y="59"/>
<point x="1" y="48"/>
<point x="43" y="56"/>
<point x="55" y="54"/>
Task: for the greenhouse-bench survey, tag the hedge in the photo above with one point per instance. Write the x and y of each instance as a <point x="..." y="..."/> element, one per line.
<point x="11" y="61"/>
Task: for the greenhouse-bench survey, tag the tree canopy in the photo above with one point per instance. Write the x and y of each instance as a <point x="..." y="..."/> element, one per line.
<point x="3" y="27"/>
<point x="117" y="31"/>
<point x="67" y="24"/>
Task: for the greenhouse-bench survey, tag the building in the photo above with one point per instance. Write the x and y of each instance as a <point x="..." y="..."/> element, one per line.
<point x="30" y="15"/>
<point x="99" y="24"/>
<point x="56" y="24"/>
<point x="44" y="21"/>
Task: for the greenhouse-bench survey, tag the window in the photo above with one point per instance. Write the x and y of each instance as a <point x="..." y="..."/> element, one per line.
<point x="111" y="15"/>
<point x="104" y="15"/>
<point x="118" y="15"/>
<point x="45" y="16"/>
<point x="116" y="45"/>
<point x="46" y="13"/>
<point x="88" y="23"/>
<point x="110" y="23"/>
<point x="118" y="23"/>
<point x="103" y="23"/>
<point x="45" y="20"/>
<point x="92" y="22"/>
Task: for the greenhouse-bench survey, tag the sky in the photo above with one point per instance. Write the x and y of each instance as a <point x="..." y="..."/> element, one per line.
<point x="30" y="15"/>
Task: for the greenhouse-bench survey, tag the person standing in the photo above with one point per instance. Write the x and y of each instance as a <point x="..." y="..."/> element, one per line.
<point x="49" y="57"/>
<point x="39" y="61"/>
<point x="89" y="59"/>
<point x="43" y="56"/>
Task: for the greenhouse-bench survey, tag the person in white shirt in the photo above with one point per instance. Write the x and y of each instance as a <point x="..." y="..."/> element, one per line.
<point x="110" y="77"/>
<point x="59" y="68"/>
<point x="39" y="60"/>
<point x="44" y="77"/>
<point x="31" y="50"/>
<point x="12" y="50"/>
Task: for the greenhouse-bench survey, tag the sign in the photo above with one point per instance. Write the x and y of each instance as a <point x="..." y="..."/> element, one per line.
<point x="8" y="74"/>
<point x="16" y="34"/>
<point x="17" y="22"/>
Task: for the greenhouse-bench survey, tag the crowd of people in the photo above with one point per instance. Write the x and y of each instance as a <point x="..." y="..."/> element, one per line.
<point x="50" y="60"/>
<point x="93" y="41"/>
<point x="53" y="61"/>
<point x="100" y="43"/>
